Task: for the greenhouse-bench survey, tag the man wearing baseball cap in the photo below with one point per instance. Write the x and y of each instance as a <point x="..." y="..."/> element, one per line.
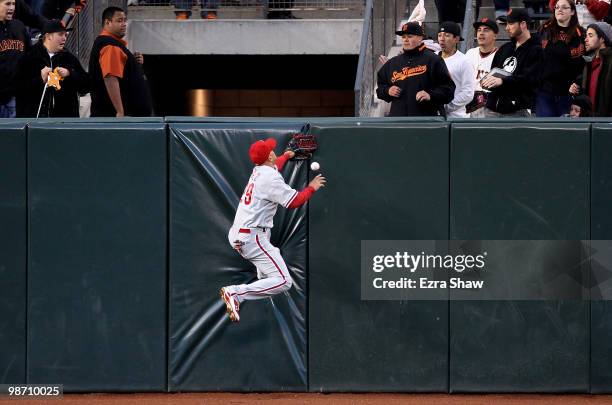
<point x="460" y="69"/>
<point x="481" y="58"/>
<point x="514" y="75"/>
<point x="416" y="82"/>
<point x="46" y="59"/>
<point x="250" y="233"/>
<point x="596" y="78"/>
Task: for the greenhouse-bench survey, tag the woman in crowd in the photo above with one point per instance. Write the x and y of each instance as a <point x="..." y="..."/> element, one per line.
<point x="562" y="40"/>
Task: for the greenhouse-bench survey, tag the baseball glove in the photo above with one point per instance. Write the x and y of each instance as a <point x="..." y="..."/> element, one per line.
<point x="303" y="144"/>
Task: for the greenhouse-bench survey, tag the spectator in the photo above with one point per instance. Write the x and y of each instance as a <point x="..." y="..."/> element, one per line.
<point x="119" y="86"/>
<point x="183" y="9"/>
<point x="415" y="82"/>
<point x="562" y="43"/>
<point x="596" y="78"/>
<point x="581" y="107"/>
<point x="274" y="13"/>
<point x="514" y="70"/>
<point x="481" y="59"/>
<point x="589" y="11"/>
<point x="501" y="9"/>
<point x="451" y="10"/>
<point x="34" y="68"/>
<point x="14" y="41"/>
<point x="459" y="67"/>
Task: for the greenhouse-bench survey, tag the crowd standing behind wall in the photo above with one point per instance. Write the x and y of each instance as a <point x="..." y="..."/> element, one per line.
<point x="537" y="74"/>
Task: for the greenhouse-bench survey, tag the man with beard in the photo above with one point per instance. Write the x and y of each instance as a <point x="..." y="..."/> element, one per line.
<point x="596" y="79"/>
<point x="481" y="59"/>
<point x="513" y="83"/>
<point x="47" y="58"/>
<point x="415" y="82"/>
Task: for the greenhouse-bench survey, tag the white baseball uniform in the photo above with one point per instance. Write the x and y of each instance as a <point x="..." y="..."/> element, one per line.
<point x="482" y="66"/>
<point x="254" y="219"/>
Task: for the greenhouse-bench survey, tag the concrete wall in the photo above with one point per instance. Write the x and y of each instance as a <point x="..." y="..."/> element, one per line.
<point x="245" y="37"/>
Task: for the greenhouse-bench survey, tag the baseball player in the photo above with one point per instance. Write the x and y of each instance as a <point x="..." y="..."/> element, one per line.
<point x="250" y="233"/>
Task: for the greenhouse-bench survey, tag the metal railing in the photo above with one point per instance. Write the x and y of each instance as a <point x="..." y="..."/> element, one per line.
<point x="381" y="19"/>
<point x="281" y="5"/>
<point x="471" y="8"/>
<point x="87" y="26"/>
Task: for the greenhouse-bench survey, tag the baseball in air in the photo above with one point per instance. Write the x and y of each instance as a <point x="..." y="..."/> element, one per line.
<point x="314" y="166"/>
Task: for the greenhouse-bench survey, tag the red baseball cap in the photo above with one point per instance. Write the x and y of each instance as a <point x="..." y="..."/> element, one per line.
<point x="260" y="150"/>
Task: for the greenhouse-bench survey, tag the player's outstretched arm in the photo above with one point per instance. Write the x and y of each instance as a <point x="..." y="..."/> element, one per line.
<point x="282" y="159"/>
<point x="304" y="195"/>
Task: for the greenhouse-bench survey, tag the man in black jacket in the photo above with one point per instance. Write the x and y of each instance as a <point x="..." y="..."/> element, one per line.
<point x="14" y="41"/>
<point x="119" y="86"/>
<point x="34" y="69"/>
<point x="415" y="82"/>
<point x="513" y="86"/>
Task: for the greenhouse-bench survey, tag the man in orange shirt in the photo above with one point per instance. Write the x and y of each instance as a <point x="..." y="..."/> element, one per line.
<point x="119" y="86"/>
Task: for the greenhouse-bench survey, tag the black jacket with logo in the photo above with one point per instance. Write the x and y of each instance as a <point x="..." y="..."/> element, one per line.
<point x="561" y="62"/>
<point x="517" y="91"/>
<point x="14" y="41"/>
<point x="57" y="103"/>
<point x="413" y="71"/>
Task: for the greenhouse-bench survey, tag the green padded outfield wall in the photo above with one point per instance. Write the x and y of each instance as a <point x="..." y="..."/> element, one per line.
<point x="601" y="229"/>
<point x="12" y="252"/>
<point x="267" y="349"/>
<point x="97" y="201"/>
<point x="519" y="181"/>
<point x="383" y="183"/>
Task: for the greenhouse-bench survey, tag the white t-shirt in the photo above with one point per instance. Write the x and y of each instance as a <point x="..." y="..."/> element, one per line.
<point x="264" y="191"/>
<point x="481" y="65"/>
<point x="464" y="76"/>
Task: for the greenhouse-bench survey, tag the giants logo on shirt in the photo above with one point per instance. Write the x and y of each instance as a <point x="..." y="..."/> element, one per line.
<point x="14" y="44"/>
<point x="578" y="51"/>
<point x="408" y="72"/>
<point x="481" y="73"/>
